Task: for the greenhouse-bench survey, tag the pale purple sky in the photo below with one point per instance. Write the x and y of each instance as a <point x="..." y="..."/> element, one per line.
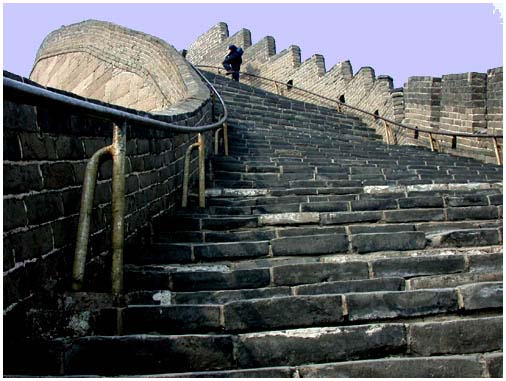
<point x="400" y="40"/>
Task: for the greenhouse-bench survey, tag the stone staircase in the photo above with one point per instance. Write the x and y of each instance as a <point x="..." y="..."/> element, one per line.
<point x="322" y="252"/>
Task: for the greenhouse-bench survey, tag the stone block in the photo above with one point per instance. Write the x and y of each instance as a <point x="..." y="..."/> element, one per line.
<point x="288" y="275"/>
<point x="467" y="200"/>
<point x="463" y="238"/>
<point x="450" y="280"/>
<point x="382" y="228"/>
<point x="58" y="175"/>
<point x="421" y="202"/>
<point x="225" y="296"/>
<point x="343" y="287"/>
<point x="283" y="312"/>
<point x="473" y="213"/>
<point x="313" y="244"/>
<point x="273" y="372"/>
<point x="414" y="215"/>
<point x="494" y="363"/>
<point x="480" y="296"/>
<point x="32" y="243"/>
<point x="171" y="319"/>
<point x="456" y="336"/>
<point x="425" y="367"/>
<point x="227" y="250"/>
<point x="119" y="355"/>
<point x="21" y="178"/>
<point x="350" y="217"/>
<point x="229" y="223"/>
<point x="218" y="280"/>
<point x="289" y="218"/>
<point x="387" y="305"/>
<point x="35" y="147"/>
<point x="14" y="214"/>
<point x="43" y="207"/>
<point x="319" y="345"/>
<point x="364" y="243"/>
<point x="484" y="262"/>
<point x="373" y="204"/>
<point x="417" y="266"/>
<point x="325" y="206"/>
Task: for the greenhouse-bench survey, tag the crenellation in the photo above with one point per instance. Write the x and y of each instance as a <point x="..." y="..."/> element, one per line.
<point x="474" y="100"/>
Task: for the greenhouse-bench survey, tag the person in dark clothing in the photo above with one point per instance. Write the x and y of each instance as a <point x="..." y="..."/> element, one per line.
<point x="233" y="61"/>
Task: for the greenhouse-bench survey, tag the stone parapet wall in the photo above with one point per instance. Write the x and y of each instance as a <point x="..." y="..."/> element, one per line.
<point x="470" y="102"/>
<point x="494" y="100"/>
<point x="104" y="61"/>
<point x="46" y="149"/>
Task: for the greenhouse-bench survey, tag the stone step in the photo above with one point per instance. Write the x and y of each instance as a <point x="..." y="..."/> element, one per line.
<point x="251" y="274"/>
<point x="461" y="366"/>
<point x="322" y="347"/>
<point x="302" y="311"/>
<point x="166" y="253"/>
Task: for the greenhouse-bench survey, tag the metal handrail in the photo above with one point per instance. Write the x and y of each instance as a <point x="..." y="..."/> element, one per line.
<point x="117" y="151"/>
<point x="376" y="117"/>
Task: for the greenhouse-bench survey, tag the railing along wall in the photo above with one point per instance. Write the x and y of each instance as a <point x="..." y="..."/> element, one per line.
<point x="121" y="120"/>
<point x="390" y="135"/>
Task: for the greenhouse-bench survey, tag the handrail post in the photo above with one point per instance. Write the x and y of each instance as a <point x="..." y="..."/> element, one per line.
<point x="202" y="171"/>
<point x="225" y="138"/>
<point x="217" y="141"/>
<point x="387" y="134"/>
<point x="83" y="228"/>
<point x="497" y="150"/>
<point x="118" y="206"/>
<point x="432" y="145"/>
<point x="186" y="173"/>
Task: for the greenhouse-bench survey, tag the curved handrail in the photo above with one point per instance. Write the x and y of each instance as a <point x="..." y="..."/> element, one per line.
<point x="439" y="132"/>
<point x="117" y="152"/>
<point x="112" y="113"/>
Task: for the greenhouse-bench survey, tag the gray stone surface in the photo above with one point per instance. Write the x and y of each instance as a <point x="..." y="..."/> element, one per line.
<point x="439" y="367"/>
<point x="307" y="245"/>
<point x="139" y="354"/>
<point x="343" y="287"/>
<point x="456" y="337"/>
<point x="388" y="305"/>
<point x="364" y="243"/>
<point x="318" y="272"/>
<point x="481" y="295"/>
<point x="283" y="312"/>
<point x="319" y="345"/>
<point x="416" y="266"/>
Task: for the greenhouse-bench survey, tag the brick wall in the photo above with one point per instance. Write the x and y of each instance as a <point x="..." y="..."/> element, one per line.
<point x="424" y="102"/>
<point x="104" y="61"/>
<point x="46" y="149"/>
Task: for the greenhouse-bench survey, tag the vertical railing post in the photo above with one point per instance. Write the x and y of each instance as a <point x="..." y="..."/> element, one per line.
<point x="497" y="151"/>
<point x="432" y="145"/>
<point x="83" y="228"/>
<point x="202" y="171"/>
<point x="118" y="206"/>
<point x="225" y="138"/>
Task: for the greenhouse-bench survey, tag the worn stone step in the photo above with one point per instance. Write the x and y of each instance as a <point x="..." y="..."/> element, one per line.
<point x="319" y="345"/>
<point x="148" y="354"/>
<point x="203" y="278"/>
<point x="461" y="366"/>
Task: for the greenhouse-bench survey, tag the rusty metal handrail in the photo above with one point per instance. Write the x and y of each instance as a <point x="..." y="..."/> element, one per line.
<point x="376" y="117"/>
<point x="117" y="152"/>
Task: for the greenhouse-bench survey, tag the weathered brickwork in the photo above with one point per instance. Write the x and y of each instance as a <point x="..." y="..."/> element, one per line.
<point x="45" y="154"/>
<point x="470" y="102"/>
<point x="494" y="100"/>
<point x="104" y="61"/>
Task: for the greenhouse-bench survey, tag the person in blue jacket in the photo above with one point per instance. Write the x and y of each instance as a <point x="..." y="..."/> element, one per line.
<point x="233" y="61"/>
